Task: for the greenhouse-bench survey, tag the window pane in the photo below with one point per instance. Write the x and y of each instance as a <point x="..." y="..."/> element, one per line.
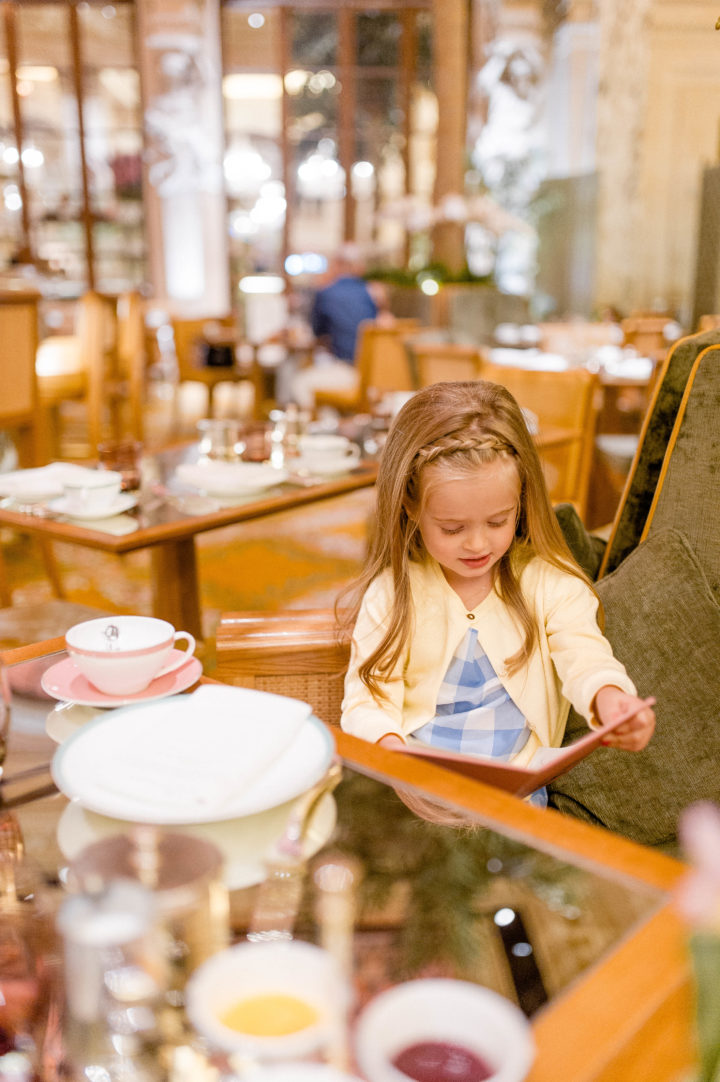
<point x="252" y="95"/>
<point x="113" y="144"/>
<point x="423" y="30"/>
<point x="378" y="39"/>
<point x="51" y="151"/>
<point x="314" y="40"/>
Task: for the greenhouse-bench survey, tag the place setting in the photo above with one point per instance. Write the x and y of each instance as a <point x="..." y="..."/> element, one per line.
<point x="66" y="491"/>
<point x="119" y="660"/>
<point x="325" y="455"/>
<point x="226" y="764"/>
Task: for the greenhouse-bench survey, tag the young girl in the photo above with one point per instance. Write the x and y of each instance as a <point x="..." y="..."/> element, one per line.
<point x="474" y="627"/>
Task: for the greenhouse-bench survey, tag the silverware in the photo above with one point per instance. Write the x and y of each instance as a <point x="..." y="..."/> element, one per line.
<point x="290" y="845"/>
<point x="280" y="893"/>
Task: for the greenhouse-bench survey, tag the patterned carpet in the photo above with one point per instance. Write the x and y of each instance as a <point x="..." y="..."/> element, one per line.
<point x="295" y="559"/>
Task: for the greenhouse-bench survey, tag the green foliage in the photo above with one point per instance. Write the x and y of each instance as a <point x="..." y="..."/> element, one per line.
<point x="445" y="869"/>
<point x="402" y="276"/>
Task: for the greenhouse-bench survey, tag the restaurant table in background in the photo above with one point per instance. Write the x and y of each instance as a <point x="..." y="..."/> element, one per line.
<point x="456" y="879"/>
<point x="168" y="517"/>
<point x="167" y="520"/>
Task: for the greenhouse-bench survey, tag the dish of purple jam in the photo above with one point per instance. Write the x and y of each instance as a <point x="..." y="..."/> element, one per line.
<point x="441" y="1061"/>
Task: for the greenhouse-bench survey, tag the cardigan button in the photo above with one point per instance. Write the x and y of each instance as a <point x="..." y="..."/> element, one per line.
<point x="471" y="616"/>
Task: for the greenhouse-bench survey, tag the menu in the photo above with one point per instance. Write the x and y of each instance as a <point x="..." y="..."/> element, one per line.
<point x="545" y="765"/>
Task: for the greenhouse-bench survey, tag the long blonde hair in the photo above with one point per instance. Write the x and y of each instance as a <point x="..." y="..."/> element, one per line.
<point x="463" y="426"/>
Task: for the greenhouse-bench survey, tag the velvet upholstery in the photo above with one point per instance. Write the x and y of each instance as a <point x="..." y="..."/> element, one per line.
<point x="586" y="547"/>
<point x="662" y="617"/>
<point x="658" y="425"/>
<point x="663" y="621"/>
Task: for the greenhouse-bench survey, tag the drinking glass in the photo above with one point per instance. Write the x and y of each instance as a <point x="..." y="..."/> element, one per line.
<point x="221" y="439"/>
<point x="123" y="456"/>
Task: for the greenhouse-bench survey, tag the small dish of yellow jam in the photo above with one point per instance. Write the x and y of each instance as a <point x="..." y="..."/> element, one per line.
<point x="273" y="1014"/>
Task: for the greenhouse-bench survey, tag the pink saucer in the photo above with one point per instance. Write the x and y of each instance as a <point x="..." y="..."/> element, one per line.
<point x="63" y="681"/>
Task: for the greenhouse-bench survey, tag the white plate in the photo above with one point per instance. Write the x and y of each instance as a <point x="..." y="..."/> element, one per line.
<point x="124" y="502"/>
<point x="630" y="368"/>
<point x="216" y="753"/>
<point x="243" y="842"/>
<point x="331" y="468"/>
<point x="230" y="478"/>
<point x="68" y="718"/>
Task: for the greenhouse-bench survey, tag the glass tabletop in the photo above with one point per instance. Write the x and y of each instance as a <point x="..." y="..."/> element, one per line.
<point x="435" y="892"/>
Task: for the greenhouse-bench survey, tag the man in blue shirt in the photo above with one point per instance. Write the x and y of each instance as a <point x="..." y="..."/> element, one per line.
<point x="340" y="307"/>
<point x="336" y="314"/>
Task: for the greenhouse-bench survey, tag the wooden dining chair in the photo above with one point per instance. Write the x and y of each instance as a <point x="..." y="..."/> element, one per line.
<point x="575" y="338"/>
<point x="78" y="368"/>
<point x="131" y="363"/>
<point x="190" y="338"/>
<point x="710" y="321"/>
<point x="299" y="652"/>
<point x="382" y="365"/>
<point x="566" y="400"/>
<point x="651" y="335"/>
<point x="19" y="399"/>
<point x="435" y="362"/>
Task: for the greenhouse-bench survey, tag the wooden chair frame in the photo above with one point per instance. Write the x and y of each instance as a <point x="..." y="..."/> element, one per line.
<point x="300" y="653"/>
<point x="568" y="399"/>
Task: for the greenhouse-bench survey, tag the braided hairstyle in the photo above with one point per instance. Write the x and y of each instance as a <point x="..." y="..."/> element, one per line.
<point x="455" y="428"/>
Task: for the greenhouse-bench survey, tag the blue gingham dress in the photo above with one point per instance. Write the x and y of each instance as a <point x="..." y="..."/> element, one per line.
<point x="474" y="713"/>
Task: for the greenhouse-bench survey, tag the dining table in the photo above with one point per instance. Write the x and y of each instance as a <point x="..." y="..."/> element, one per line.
<point x="168" y="516"/>
<point x="449" y="878"/>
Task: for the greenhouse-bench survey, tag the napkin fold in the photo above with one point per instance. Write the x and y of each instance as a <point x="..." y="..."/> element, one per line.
<point x="226" y="478"/>
<point x="180" y="759"/>
<point x="42" y="482"/>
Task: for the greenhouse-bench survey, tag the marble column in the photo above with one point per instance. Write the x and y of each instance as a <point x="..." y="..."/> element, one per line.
<point x="181" y="70"/>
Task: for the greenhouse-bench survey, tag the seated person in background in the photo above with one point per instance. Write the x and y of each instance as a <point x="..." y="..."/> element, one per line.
<point x="337" y="311"/>
<point x="475" y="628"/>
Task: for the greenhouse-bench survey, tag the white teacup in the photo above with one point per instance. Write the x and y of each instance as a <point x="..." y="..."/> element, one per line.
<point x="94" y="493"/>
<point x="323" y="453"/>
<point x="121" y="655"/>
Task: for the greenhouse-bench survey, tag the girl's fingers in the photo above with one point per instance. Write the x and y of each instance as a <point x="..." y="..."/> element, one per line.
<point x="635" y="734"/>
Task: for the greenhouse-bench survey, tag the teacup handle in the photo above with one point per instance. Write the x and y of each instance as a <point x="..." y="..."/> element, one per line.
<point x="353" y="452"/>
<point x="186" y="653"/>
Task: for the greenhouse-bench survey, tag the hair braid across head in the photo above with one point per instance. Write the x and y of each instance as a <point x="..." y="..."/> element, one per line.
<point x="455" y="444"/>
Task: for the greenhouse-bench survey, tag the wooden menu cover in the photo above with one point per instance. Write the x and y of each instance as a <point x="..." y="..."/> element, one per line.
<point x="546" y="763"/>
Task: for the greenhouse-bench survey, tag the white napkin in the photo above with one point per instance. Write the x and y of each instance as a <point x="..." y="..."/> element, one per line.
<point x="42" y="482"/>
<point x="184" y="758"/>
<point x="225" y="478"/>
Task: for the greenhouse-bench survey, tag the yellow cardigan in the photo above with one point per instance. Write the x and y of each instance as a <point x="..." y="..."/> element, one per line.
<point x="570" y="663"/>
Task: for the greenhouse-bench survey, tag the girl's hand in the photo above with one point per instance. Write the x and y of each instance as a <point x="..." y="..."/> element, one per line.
<point x="635" y="733"/>
<point x="390" y="740"/>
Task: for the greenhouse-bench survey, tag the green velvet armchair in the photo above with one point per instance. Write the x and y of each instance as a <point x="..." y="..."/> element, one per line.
<point x="658" y="578"/>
